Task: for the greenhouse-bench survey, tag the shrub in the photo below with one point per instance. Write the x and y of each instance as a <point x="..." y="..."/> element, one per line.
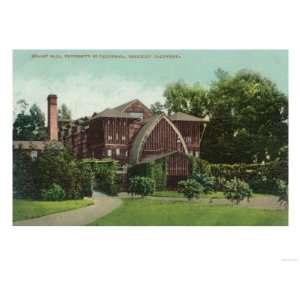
<point x="57" y="166"/>
<point x="141" y="186"/>
<point x="237" y="190"/>
<point x="155" y="170"/>
<point x="282" y="191"/>
<point x="207" y="182"/>
<point x="190" y="188"/>
<point x="261" y="177"/>
<point x="54" y="193"/>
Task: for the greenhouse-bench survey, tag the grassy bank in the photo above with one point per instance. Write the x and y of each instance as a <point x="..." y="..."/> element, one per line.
<point x="28" y="209"/>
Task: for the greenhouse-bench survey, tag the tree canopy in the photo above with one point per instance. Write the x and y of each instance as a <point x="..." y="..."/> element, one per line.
<point x="64" y="113"/>
<point x="248" y="116"/>
<point x="29" y="125"/>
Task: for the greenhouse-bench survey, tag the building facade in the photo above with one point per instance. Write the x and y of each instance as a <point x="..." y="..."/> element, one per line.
<point x="131" y="134"/>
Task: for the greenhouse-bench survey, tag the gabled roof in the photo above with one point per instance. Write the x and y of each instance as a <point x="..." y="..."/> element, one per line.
<point x="180" y="116"/>
<point x="113" y="113"/>
<point x="143" y="134"/>
<point x="123" y="107"/>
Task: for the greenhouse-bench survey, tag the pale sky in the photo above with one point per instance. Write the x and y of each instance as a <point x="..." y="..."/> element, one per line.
<point x="91" y="84"/>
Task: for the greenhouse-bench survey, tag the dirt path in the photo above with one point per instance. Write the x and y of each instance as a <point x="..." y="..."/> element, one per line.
<point x="103" y="205"/>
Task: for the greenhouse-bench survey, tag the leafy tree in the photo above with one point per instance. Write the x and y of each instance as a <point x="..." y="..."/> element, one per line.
<point x="141" y="186"/>
<point x="237" y="190"/>
<point x="29" y="125"/>
<point x="190" y="188"/>
<point x="247" y="111"/>
<point x="64" y="113"/>
<point x="181" y="97"/>
<point x="157" y="108"/>
<point x="248" y="119"/>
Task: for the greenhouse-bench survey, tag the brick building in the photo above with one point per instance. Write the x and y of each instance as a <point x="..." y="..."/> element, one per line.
<point x="130" y="134"/>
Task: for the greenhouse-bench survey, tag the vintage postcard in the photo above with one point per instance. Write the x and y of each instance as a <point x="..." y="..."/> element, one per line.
<point x="150" y="137"/>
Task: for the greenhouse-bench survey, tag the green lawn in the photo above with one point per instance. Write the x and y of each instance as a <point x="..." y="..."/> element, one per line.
<point x="150" y="211"/>
<point x="28" y="209"/>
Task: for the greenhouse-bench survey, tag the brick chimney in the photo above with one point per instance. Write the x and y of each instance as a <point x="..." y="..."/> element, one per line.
<point x="52" y="118"/>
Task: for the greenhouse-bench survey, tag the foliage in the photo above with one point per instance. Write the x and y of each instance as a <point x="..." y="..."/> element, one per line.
<point x="261" y="177"/>
<point x="237" y="190"/>
<point x="29" y="125"/>
<point x="141" y="186"/>
<point x="104" y="172"/>
<point x="23" y="184"/>
<point x="282" y="191"/>
<point x="190" y="188"/>
<point x="157" y="108"/>
<point x="200" y="166"/>
<point x="181" y="97"/>
<point x="155" y="170"/>
<point x="207" y="182"/>
<point x="64" y="113"/>
<point x="54" y="193"/>
<point x="57" y="165"/>
<point x="248" y="116"/>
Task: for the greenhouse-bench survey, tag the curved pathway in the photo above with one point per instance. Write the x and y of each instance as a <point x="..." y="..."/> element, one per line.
<point x="104" y="204"/>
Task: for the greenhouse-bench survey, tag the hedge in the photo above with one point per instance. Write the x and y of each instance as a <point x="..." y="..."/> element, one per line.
<point x="261" y="177"/>
<point x="104" y="172"/>
<point x="152" y="169"/>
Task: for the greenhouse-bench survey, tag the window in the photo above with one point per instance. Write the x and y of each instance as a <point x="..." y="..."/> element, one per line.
<point x="109" y="152"/>
<point x="188" y="139"/>
<point x="117" y="136"/>
<point x="109" y="137"/>
<point x="197" y="153"/>
<point x="117" y="151"/>
<point x="126" y="153"/>
<point x="34" y="154"/>
<point x="123" y="138"/>
<point x="139" y="115"/>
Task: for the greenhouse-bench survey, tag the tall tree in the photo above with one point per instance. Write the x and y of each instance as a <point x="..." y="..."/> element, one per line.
<point x="248" y="116"/>
<point x="248" y="119"/>
<point x="181" y="97"/>
<point x="29" y="125"/>
<point x="64" y="113"/>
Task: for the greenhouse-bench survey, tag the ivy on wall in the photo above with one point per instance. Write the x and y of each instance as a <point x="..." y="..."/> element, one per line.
<point x="103" y="172"/>
<point x="152" y="169"/>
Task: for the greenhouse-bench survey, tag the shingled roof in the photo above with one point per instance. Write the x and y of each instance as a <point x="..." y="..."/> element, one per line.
<point x="113" y="113"/>
<point x="180" y="116"/>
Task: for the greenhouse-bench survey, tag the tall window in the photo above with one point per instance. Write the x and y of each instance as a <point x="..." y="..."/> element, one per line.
<point x="109" y="152"/>
<point x="117" y="151"/>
